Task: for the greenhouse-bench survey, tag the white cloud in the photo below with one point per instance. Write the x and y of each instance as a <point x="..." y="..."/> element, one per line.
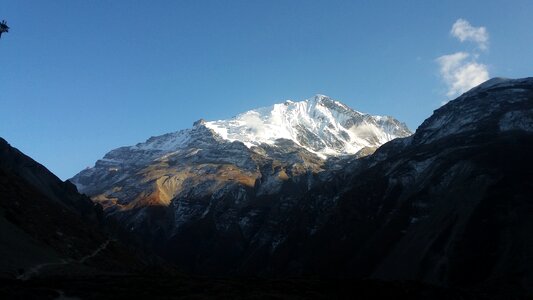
<point x="462" y="30"/>
<point x="461" y="73"/>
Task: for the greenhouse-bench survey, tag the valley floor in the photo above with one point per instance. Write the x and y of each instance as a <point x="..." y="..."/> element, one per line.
<point x="174" y="287"/>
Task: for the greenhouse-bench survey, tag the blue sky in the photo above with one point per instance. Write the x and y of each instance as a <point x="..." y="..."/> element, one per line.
<point x="79" y="78"/>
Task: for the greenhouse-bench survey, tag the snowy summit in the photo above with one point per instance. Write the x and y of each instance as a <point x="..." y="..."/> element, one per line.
<point x="320" y="124"/>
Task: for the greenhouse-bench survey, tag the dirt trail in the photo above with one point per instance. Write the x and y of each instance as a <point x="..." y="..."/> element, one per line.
<point x="37" y="269"/>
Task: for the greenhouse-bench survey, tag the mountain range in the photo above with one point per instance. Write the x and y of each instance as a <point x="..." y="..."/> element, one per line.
<point x="229" y="172"/>
<point x="302" y="189"/>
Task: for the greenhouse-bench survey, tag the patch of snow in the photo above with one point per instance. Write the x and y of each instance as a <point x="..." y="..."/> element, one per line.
<point x="420" y="166"/>
<point x="167" y="142"/>
<point x="517" y="120"/>
<point x="492" y="82"/>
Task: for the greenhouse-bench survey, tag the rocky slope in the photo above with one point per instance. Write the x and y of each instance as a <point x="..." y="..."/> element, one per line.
<point x="51" y="247"/>
<point x="170" y="182"/>
<point x="449" y="205"/>
<point x="47" y="227"/>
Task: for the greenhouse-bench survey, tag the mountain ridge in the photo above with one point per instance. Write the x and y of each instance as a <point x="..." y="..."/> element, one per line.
<point x="48" y="228"/>
<point x="281" y="210"/>
<point x="449" y="206"/>
<point x="348" y="130"/>
<point x="157" y="187"/>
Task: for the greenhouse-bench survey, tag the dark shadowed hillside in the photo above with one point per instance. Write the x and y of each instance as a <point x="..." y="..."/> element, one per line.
<point x="450" y="205"/>
<point x="47" y="227"/>
<point x="52" y="247"/>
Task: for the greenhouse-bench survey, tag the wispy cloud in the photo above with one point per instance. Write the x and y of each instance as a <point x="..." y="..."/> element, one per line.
<point x="461" y="71"/>
<point x="462" y="30"/>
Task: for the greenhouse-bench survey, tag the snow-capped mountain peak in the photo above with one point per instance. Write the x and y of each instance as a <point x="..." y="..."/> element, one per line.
<point x="319" y="124"/>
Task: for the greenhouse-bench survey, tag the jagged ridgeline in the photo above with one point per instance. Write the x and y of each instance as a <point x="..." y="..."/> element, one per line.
<point x="309" y="188"/>
<point x="185" y="174"/>
<point x="297" y="189"/>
